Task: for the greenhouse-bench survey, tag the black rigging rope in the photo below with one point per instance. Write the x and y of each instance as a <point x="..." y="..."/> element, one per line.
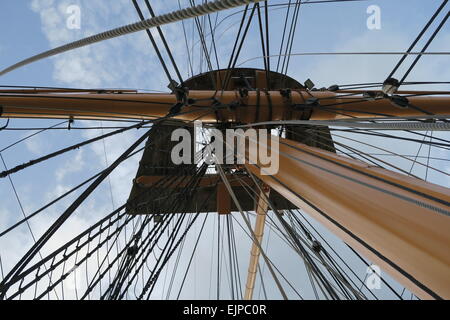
<point x="425" y="47"/>
<point x="152" y="40"/>
<point x="418" y="37"/>
<point x="163" y="38"/>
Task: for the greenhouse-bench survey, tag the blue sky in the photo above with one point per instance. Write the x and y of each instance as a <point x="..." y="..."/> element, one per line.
<point x="322" y="27"/>
<point x="29" y="27"/>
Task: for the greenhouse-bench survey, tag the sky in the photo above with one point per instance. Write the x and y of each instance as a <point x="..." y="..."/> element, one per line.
<point x="30" y="27"/>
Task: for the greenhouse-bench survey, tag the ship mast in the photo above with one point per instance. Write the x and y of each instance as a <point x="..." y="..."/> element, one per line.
<point x="399" y="222"/>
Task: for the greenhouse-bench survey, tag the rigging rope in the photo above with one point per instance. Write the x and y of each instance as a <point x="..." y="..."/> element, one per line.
<point x="418" y="126"/>
<point x="418" y="38"/>
<point x="178" y="15"/>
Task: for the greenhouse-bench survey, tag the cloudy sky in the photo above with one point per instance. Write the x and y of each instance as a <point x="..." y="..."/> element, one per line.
<point x="29" y="27"/>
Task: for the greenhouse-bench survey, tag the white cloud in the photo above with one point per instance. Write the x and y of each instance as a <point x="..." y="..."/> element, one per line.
<point x="73" y="165"/>
<point x="122" y="62"/>
<point x="121" y="178"/>
<point x="4" y="216"/>
<point x="37" y="145"/>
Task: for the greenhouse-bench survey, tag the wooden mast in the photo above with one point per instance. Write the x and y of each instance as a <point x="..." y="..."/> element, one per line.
<point x="261" y="211"/>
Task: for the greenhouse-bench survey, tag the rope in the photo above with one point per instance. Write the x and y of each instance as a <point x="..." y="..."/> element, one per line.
<point x="179" y="15"/>
<point x="347" y="53"/>
<point x="417" y="126"/>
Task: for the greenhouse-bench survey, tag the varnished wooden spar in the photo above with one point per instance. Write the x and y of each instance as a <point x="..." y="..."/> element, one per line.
<point x="398" y="222"/>
<point x="229" y="105"/>
<point x="262" y="207"/>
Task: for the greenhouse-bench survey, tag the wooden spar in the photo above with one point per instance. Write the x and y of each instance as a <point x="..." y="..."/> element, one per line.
<point x="261" y="211"/>
<point x="232" y="106"/>
<point x="399" y="223"/>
